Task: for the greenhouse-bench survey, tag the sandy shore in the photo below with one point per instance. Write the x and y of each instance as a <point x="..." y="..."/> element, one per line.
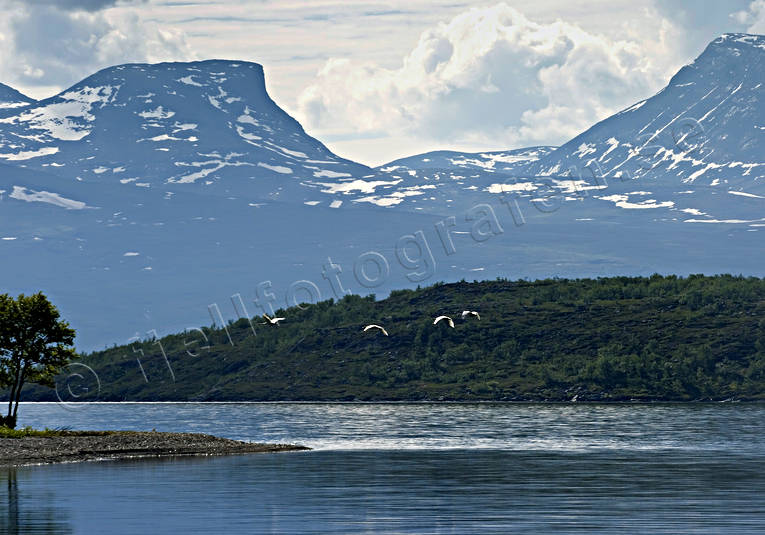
<point x="73" y="446"/>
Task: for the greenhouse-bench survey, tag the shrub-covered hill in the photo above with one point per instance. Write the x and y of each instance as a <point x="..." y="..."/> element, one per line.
<point x="657" y="338"/>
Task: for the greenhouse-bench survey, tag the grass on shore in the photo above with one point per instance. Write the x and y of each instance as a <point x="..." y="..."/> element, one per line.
<point x="6" y="432"/>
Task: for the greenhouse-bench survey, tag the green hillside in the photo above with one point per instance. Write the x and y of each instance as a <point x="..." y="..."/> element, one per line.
<point x="621" y="338"/>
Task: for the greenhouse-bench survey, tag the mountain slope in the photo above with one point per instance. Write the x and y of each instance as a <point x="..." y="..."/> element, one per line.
<point x="206" y="125"/>
<point x="706" y="127"/>
<point x="10" y="98"/>
<point x="146" y="193"/>
<point x="694" y="153"/>
<point x="438" y="180"/>
<point x="506" y="161"/>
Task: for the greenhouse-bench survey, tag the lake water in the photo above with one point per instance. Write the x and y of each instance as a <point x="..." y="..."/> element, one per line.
<point x="408" y="468"/>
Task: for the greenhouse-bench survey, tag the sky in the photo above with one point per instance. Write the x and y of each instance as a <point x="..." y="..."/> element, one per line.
<point x="379" y="80"/>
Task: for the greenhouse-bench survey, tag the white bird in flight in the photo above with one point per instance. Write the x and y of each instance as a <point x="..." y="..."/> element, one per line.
<point x="447" y="318"/>
<point x="376" y="327"/>
<point x="466" y="313"/>
<point x="273" y="321"/>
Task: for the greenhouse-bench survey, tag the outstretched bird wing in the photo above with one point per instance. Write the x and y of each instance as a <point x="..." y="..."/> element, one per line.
<point x="447" y="318"/>
<point x="376" y="327"/>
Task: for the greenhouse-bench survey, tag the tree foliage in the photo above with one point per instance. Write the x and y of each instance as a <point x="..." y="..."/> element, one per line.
<point x="34" y="345"/>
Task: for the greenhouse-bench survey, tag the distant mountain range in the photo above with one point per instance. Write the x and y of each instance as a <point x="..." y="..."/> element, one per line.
<point x="506" y="161"/>
<point x="706" y="127"/>
<point x="204" y="127"/>
<point x="699" y="142"/>
<point x="145" y="193"/>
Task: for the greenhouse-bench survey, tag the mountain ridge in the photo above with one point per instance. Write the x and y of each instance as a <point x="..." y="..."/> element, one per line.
<point x="685" y="146"/>
<point x="208" y="124"/>
<point x="12" y="98"/>
<point x="132" y="226"/>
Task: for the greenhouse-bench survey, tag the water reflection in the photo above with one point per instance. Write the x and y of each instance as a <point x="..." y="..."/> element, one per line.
<point x="403" y="492"/>
<point x="9" y="519"/>
<point x="441" y="469"/>
<point x="30" y="511"/>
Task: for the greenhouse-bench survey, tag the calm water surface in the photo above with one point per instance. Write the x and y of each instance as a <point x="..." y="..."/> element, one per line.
<point x="409" y="468"/>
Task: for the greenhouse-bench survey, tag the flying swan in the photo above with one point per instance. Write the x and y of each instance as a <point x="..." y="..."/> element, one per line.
<point x="376" y="327"/>
<point x="273" y="321"/>
<point x="466" y="313"/>
<point x="447" y="318"/>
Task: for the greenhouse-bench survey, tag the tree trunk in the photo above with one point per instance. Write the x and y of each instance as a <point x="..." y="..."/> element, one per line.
<point x="13" y="398"/>
<point x="22" y="374"/>
<point x="10" y="402"/>
<point x="18" y="397"/>
<point x="12" y="394"/>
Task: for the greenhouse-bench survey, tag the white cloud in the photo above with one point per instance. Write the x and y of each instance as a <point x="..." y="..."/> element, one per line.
<point x="753" y="18"/>
<point x="76" y="5"/>
<point x="492" y="76"/>
<point x="46" y="47"/>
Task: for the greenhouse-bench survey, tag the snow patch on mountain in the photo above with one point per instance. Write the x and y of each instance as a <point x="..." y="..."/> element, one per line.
<point x="744" y="194"/>
<point x="22" y="194"/>
<point x="622" y="201"/>
<point x="277" y="168"/>
<point x="68" y="116"/>
<point x="28" y="155"/>
<point x="518" y="186"/>
<point x="359" y="185"/>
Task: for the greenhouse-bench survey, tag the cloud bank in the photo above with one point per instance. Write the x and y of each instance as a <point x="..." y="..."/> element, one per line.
<point x="398" y="81"/>
<point x="494" y="77"/>
<point x="49" y="46"/>
<point x="87" y="5"/>
<point x="753" y="18"/>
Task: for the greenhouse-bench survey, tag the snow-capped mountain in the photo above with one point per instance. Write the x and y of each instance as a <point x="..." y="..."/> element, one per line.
<point x="206" y="125"/>
<point x="436" y="180"/>
<point x="211" y="127"/>
<point x="706" y="127"/>
<point x="145" y="193"/>
<point x="506" y="161"/>
<point x="693" y="153"/>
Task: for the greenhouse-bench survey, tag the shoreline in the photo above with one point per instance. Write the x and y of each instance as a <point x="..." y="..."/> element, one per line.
<point x="81" y="446"/>
<point x="585" y="401"/>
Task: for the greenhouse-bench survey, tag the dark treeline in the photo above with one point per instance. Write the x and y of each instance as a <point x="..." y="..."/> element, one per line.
<point x="656" y="338"/>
